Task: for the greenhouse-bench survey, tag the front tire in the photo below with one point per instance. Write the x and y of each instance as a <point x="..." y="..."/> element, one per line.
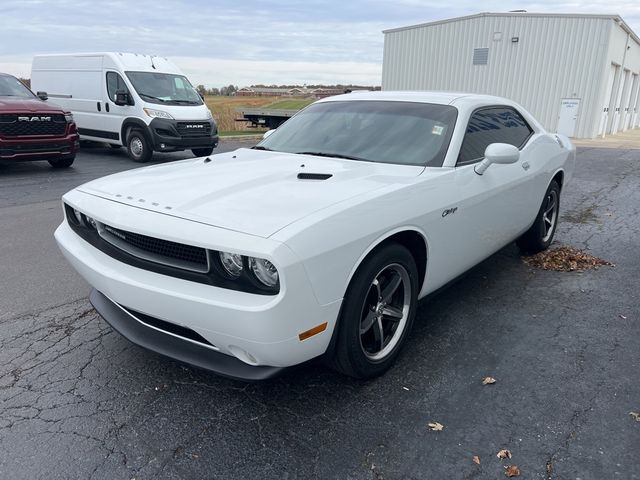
<point x="540" y="235"/>
<point x="377" y="313"/>
<point x="62" y="162"/>
<point x="138" y="147"/>
<point x="202" y="152"/>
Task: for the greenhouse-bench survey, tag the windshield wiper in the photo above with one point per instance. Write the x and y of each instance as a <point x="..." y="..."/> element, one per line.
<point x="260" y="147"/>
<point x="188" y="102"/>
<point x="152" y="97"/>
<point x="334" y="155"/>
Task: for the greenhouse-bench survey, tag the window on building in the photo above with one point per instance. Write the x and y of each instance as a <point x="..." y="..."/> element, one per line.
<point x="492" y="125"/>
<point x="480" y="56"/>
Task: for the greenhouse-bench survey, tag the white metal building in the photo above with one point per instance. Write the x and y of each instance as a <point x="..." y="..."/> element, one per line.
<point x="578" y="74"/>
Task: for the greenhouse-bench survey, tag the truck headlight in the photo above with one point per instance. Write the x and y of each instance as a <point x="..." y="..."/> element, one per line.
<point x="68" y="117"/>
<point x="157" y="113"/>
<point x="209" y="114"/>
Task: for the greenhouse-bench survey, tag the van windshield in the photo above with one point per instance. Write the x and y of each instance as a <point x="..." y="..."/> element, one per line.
<point x="12" y="87"/>
<point x="164" y="88"/>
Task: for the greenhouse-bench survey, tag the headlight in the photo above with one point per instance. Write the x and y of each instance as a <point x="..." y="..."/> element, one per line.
<point x="78" y="216"/>
<point x="90" y="222"/>
<point x="157" y="113"/>
<point x="231" y="263"/>
<point x="81" y="219"/>
<point x="209" y="115"/>
<point x="68" y="117"/>
<point x="264" y="271"/>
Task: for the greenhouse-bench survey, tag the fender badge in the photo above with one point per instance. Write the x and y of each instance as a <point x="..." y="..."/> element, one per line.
<point x="449" y="211"/>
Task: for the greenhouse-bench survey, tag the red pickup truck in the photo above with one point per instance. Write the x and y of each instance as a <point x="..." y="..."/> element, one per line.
<point x="32" y="129"/>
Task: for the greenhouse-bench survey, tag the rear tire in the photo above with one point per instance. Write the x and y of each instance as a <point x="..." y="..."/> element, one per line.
<point x="62" y="162"/>
<point x="540" y="235"/>
<point x="138" y="148"/>
<point x="377" y="313"/>
<point x="202" y="152"/>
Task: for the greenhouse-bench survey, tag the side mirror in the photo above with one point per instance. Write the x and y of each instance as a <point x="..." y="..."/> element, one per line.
<point x="42" y="96"/>
<point x="201" y="95"/>
<point x="497" y="153"/>
<point x="121" y="98"/>
<point x="268" y="133"/>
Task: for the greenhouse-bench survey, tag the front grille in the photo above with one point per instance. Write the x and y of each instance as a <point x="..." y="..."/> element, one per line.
<point x="194" y="129"/>
<point x="157" y="250"/>
<point x="11" y="125"/>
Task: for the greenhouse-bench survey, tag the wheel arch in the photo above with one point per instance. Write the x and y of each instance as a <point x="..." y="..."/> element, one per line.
<point x="410" y="237"/>
<point x="130" y="123"/>
<point x="558" y="176"/>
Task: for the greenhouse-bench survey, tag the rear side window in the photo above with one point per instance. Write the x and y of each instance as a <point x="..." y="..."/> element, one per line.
<point x="115" y="83"/>
<point x="492" y="125"/>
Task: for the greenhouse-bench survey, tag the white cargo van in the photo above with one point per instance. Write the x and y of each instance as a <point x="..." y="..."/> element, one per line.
<point x="142" y="102"/>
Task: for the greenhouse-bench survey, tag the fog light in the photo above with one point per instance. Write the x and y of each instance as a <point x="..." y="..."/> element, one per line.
<point x="162" y="145"/>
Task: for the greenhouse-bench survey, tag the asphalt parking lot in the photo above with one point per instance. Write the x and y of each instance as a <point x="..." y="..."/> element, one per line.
<point x="79" y="401"/>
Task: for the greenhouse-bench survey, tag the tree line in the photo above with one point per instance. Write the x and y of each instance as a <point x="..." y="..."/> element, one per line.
<point x="224" y="91"/>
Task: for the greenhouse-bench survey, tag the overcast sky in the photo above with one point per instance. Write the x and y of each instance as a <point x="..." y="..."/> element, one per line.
<point x="244" y="42"/>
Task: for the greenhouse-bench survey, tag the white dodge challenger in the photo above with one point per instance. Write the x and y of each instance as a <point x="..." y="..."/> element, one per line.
<point x="320" y="240"/>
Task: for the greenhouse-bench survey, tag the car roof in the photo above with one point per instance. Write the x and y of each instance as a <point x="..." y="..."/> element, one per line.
<point x="422" y="96"/>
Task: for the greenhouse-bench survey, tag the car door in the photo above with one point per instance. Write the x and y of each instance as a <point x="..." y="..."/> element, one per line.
<point x="114" y="114"/>
<point x="497" y="206"/>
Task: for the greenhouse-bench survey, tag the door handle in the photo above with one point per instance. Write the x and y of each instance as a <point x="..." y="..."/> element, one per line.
<point x="99" y="107"/>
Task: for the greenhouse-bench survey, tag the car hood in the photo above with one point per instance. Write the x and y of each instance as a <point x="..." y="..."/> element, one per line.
<point x="249" y="191"/>
<point x="21" y="105"/>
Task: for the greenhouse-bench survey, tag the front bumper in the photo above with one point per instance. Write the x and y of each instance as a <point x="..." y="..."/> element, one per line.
<point x="135" y="330"/>
<point x="166" y="135"/>
<point x="259" y="330"/>
<point x="22" y="149"/>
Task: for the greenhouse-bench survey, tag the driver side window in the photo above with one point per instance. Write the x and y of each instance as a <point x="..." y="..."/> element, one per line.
<point x="114" y="84"/>
<point x="492" y="125"/>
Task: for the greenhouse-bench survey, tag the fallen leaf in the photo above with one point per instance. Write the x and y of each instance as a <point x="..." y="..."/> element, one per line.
<point x="436" y="426"/>
<point x="512" y="471"/>
<point x="565" y="259"/>
<point x="488" y="381"/>
<point x="504" y="453"/>
<point x="635" y="415"/>
<point x="476" y="459"/>
<point x="622" y="317"/>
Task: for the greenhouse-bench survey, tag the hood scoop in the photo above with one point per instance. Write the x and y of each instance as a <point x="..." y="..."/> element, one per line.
<point x="314" y="176"/>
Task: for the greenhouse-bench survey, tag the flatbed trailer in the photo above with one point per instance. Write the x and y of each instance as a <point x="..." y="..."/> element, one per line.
<point x="265" y="117"/>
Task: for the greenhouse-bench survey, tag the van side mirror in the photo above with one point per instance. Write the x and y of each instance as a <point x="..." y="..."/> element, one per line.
<point x="42" y="96"/>
<point x="121" y="98"/>
<point x="267" y="133"/>
<point x="502" y="153"/>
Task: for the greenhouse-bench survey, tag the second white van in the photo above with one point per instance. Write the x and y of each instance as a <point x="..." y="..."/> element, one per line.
<point x="142" y="102"/>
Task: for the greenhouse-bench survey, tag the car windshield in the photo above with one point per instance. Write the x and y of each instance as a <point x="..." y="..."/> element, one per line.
<point x="406" y="133"/>
<point x="12" y="87"/>
<point x="164" y="88"/>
